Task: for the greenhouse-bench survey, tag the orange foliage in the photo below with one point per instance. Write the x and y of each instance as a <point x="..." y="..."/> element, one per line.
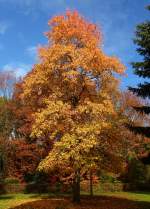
<point x="23" y="158"/>
<point x="70" y="92"/>
<point x="72" y="54"/>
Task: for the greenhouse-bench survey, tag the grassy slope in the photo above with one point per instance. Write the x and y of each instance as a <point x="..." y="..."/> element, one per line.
<point x="11" y="200"/>
<point x="137" y="196"/>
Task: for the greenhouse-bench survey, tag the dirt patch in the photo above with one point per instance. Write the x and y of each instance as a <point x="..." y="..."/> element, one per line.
<point x="86" y="203"/>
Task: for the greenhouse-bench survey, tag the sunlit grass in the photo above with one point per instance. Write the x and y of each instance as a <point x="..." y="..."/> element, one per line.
<point x="11" y="200"/>
<point x="136" y="196"/>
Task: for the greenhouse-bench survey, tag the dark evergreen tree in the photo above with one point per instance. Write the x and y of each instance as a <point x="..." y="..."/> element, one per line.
<point x="142" y="69"/>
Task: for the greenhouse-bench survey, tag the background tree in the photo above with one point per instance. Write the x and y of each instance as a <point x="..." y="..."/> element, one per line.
<point x="22" y="113"/>
<point x="16" y="147"/>
<point x="142" y="69"/>
<point x="135" y="145"/>
<point x="70" y="93"/>
<point x="23" y="158"/>
<point x="7" y="81"/>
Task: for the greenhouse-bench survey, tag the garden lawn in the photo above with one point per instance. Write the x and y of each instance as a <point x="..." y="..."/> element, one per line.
<point x="117" y="200"/>
<point x="10" y="200"/>
<point x="136" y="196"/>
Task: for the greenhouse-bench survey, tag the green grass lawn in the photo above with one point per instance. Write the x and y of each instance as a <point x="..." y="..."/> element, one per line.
<point x="137" y="196"/>
<point x="11" y="200"/>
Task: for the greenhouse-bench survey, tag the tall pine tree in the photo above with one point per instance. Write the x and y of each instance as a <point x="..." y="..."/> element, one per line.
<point x="142" y="69"/>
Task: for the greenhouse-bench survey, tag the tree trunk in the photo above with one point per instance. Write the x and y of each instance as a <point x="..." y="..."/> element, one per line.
<point x="76" y="187"/>
<point x="91" y="183"/>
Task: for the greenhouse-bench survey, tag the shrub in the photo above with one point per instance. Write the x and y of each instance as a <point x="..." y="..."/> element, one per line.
<point x="106" y="177"/>
<point x="12" y="180"/>
<point x="136" y="172"/>
<point x="36" y="188"/>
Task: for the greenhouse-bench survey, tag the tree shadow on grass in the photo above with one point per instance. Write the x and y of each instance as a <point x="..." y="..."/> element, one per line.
<point x="124" y="201"/>
<point x="96" y="202"/>
<point x="6" y="197"/>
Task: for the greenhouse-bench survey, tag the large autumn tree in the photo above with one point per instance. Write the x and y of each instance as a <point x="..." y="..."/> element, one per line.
<point x="72" y="90"/>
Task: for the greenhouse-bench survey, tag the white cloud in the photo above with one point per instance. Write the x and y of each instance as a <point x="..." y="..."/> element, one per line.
<point x="20" y="69"/>
<point x="3" y="27"/>
<point x="32" y="6"/>
<point x="32" y="51"/>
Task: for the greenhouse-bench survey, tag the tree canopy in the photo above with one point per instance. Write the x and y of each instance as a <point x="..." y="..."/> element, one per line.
<point x="71" y="90"/>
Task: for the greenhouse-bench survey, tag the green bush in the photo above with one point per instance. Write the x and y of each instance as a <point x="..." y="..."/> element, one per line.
<point x="11" y="180"/>
<point x="58" y="187"/>
<point x="136" y="172"/>
<point x="106" y="177"/>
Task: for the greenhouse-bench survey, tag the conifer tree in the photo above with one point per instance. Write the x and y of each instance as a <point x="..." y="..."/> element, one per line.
<point x="142" y="69"/>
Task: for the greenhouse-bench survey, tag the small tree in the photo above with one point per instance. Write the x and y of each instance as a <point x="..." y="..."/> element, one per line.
<point x="7" y="81"/>
<point x="72" y="89"/>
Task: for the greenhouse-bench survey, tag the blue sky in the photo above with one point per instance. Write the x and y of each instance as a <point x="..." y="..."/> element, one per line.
<point x="23" y="23"/>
